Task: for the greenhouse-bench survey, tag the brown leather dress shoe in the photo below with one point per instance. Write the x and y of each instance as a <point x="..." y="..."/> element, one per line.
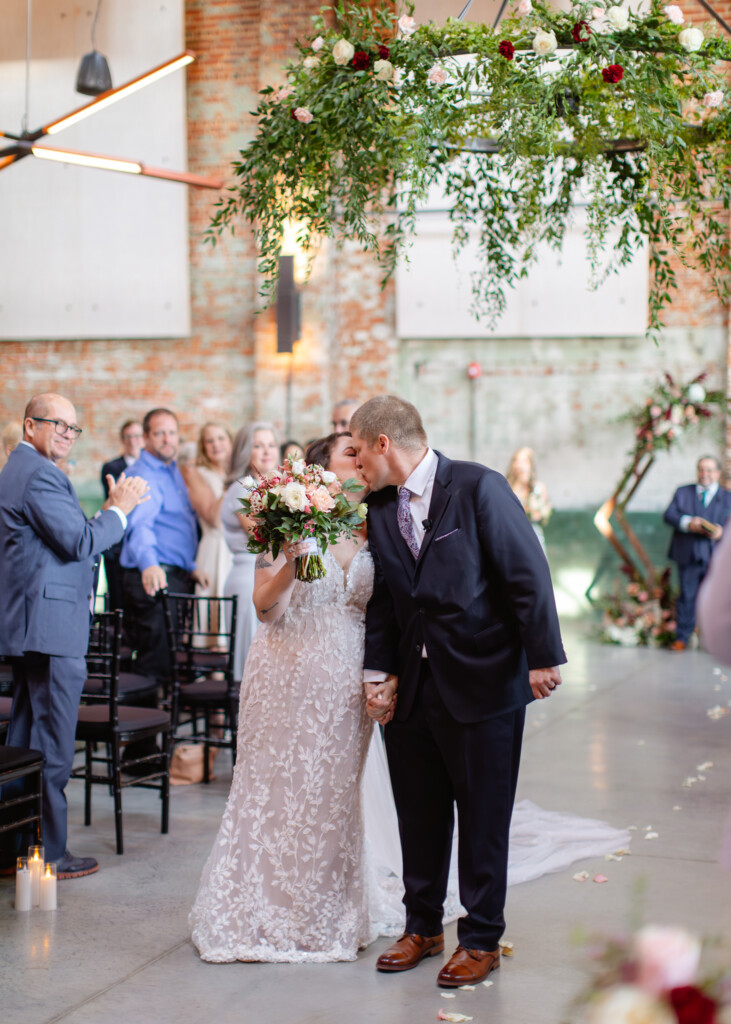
<point x="468" y="966"/>
<point x="678" y="645"/>
<point x="409" y="951"/>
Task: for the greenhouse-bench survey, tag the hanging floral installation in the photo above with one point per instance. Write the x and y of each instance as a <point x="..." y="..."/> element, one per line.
<point x="642" y="611"/>
<point x="626" y="112"/>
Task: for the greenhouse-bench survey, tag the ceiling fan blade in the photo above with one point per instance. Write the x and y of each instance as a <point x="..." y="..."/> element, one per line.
<point x="112" y="95"/>
<point x="112" y="163"/>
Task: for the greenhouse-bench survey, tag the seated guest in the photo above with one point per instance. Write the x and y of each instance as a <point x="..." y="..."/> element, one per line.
<point x="292" y="450"/>
<point x="160" y="545"/>
<point x="131" y="437"/>
<point x="531" y="492"/>
<point x="255" y="453"/>
<point x="342" y="411"/>
<point x="206" y="481"/>
<point x="697" y="514"/>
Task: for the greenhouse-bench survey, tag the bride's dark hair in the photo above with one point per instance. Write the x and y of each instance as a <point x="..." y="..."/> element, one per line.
<point x="319" y="452"/>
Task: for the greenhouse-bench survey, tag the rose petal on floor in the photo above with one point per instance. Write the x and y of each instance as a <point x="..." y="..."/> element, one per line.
<point x="447" y="995"/>
<point x="467" y="988"/>
<point x="580" y="876"/>
<point x="488" y="984"/>
<point x="652" y="835"/>
<point x="455" y="1018"/>
<point x="677" y="807"/>
<point x="717" y="712"/>
<point x="622" y="853"/>
<point x="704" y="767"/>
<point x="600" y="878"/>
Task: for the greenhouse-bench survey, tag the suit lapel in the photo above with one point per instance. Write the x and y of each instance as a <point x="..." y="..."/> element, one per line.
<point x="440" y="498"/>
<point x="390" y="514"/>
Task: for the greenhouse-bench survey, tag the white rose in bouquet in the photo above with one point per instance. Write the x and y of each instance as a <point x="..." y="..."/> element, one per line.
<point x="294" y="497"/>
<point x="317" y="44"/>
<point x="328" y="477"/>
<point x="298" y="467"/>
<point x="628" y="1004"/>
<point x="343" y="52"/>
<point x="618" y="17"/>
<point x="691" y="39"/>
<point x="383" y="70"/>
<point x="696" y="393"/>
<point x="544" y="43"/>
<point x="310" y="63"/>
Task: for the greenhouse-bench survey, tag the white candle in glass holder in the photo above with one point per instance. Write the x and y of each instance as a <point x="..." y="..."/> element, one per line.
<point x="35" y="864"/>
<point x="48" y="888"/>
<point x="22" y="885"/>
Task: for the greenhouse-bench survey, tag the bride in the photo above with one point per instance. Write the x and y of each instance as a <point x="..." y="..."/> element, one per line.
<point x="285" y="881"/>
<point x="290" y="878"/>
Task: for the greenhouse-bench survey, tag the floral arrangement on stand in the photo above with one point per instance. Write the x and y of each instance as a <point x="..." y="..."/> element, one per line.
<point x="642" y="612"/>
<point x="653" y="977"/>
<point x="301" y="503"/>
<point x="625" y="109"/>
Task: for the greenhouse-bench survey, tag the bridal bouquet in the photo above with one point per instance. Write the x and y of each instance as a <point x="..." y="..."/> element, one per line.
<point x="301" y="503"/>
<point x="654" y="977"/>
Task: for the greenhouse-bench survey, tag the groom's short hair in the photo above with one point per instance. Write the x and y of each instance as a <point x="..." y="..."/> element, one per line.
<point x="397" y="419"/>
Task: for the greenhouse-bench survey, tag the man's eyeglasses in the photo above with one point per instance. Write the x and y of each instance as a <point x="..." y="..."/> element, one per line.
<point x="60" y="426"/>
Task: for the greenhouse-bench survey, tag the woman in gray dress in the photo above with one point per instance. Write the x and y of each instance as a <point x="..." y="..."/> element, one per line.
<point x="255" y="454"/>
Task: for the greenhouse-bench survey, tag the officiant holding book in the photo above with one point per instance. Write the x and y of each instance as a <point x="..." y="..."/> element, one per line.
<point x="697" y="513"/>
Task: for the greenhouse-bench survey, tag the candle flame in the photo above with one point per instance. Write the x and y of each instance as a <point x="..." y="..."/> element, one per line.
<point x="36" y="857"/>
<point x="48" y="871"/>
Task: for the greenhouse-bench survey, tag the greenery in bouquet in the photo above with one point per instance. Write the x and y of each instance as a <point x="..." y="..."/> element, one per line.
<point x="301" y="503"/>
<point x="640" y="615"/>
<point x="670" y="411"/>
<point x="624" y="111"/>
<point x="654" y="977"/>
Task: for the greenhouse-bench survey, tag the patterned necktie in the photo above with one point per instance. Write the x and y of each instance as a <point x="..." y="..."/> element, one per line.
<point x="405" y="525"/>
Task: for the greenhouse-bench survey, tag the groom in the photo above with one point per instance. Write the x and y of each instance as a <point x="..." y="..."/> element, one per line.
<point x="463" y="618"/>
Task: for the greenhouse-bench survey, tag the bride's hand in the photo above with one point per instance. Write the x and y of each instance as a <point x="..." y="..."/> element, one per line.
<point x="381" y="699"/>
<point x="295" y="549"/>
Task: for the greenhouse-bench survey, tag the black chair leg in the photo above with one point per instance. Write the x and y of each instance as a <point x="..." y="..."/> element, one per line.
<point x="87" y="785"/>
<point x="165" y="787"/>
<point x="117" y="786"/>
<point x="206" y="747"/>
<point x="39" y="811"/>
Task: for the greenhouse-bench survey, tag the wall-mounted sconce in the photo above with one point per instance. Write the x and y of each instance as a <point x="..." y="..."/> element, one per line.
<point x="288" y="306"/>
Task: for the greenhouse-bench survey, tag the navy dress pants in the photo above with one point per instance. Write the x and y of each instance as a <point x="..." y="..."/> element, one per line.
<point x="45" y="711"/>
<point x="691" y="576"/>
<point x="435" y="762"/>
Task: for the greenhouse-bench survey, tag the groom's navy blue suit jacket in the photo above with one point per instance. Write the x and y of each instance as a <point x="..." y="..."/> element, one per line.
<point x="479" y="596"/>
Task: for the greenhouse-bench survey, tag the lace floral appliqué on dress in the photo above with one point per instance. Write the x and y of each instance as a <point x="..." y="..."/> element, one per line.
<point x="285" y="879"/>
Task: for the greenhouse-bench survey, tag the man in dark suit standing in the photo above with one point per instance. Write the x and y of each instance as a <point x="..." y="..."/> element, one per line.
<point x="463" y="620"/>
<point x="132" y="438"/>
<point x="697" y="513"/>
<point x="47" y="553"/>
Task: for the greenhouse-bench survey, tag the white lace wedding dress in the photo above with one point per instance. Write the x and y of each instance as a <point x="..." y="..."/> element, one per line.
<point x="285" y="881"/>
<point x="290" y="878"/>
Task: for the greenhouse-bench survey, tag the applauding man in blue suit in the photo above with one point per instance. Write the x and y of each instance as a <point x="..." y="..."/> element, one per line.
<point x="47" y="554"/>
<point x="697" y="513"/>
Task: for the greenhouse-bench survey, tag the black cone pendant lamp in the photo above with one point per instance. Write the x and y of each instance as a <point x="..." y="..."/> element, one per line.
<point x="94" y="76"/>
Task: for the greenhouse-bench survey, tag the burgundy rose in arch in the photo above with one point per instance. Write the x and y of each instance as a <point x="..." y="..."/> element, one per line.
<point x="506" y="49"/>
<point x="384" y="53"/>
<point x="361" y="60"/>
<point x="580" y="32"/>
<point x="692" y="1006"/>
<point x="613" y="74"/>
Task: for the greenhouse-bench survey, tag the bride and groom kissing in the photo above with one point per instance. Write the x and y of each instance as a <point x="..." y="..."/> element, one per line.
<point x="446" y="616"/>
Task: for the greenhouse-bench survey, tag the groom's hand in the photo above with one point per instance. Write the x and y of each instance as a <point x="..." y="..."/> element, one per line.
<point x="543" y="681"/>
<point x="381" y="699"/>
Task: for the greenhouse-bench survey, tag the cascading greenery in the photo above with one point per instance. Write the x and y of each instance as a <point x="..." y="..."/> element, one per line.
<point x="628" y="113"/>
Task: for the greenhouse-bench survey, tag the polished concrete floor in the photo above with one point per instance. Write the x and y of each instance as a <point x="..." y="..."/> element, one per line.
<point x="617" y="742"/>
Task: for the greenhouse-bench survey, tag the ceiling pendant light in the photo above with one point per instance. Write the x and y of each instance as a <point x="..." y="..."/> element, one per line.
<point x="94" y="76"/>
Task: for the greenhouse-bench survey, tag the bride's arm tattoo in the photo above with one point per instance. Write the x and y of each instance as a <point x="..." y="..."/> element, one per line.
<point x="262" y="562"/>
<point x="270" y="608"/>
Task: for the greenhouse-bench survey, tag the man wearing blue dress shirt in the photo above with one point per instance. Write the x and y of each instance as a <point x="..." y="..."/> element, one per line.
<point x="159" y="546"/>
<point x="697" y="514"/>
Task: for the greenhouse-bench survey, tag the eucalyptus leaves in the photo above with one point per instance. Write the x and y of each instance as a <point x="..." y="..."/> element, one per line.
<point x="628" y="112"/>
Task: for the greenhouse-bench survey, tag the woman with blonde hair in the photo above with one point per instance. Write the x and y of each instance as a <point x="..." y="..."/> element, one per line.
<point x="531" y="493"/>
<point x="206" y="481"/>
<point x="255" y="454"/>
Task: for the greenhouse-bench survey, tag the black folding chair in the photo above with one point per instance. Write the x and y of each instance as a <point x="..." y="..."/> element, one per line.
<point x="19" y="810"/>
<point x="105" y="720"/>
<point x="203" y="693"/>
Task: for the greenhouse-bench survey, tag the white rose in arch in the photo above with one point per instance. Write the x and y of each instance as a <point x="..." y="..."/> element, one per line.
<point x="696" y="392"/>
<point x="317" y="44"/>
<point x="524" y="8"/>
<point x="711" y="99"/>
<point x="407" y="24"/>
<point x="618" y="17"/>
<point x="437" y="75"/>
<point x="544" y="43"/>
<point x="294" y="497"/>
<point x="691" y="39"/>
<point x="310" y="63"/>
<point x="383" y="70"/>
<point x="673" y="13"/>
<point x="303" y="115"/>
<point x="343" y="52"/>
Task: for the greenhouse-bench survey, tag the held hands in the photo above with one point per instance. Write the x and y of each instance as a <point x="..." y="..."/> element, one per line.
<point x="543" y="681"/>
<point x="127" y="493"/>
<point x="381" y="699"/>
